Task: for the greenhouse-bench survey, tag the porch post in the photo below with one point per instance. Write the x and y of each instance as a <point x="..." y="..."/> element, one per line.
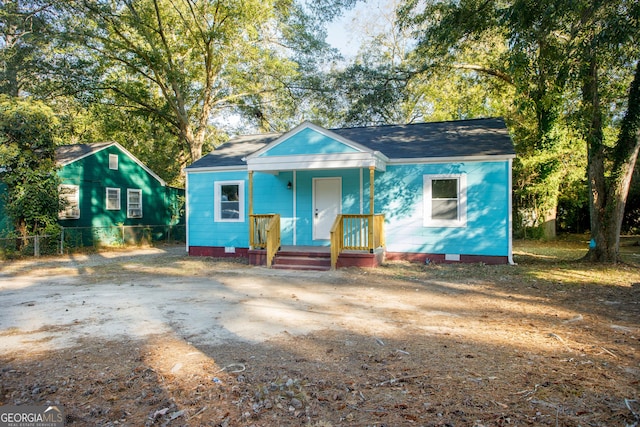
<point x="251" y="222"/>
<point x="250" y="193"/>
<point x="372" y="170"/>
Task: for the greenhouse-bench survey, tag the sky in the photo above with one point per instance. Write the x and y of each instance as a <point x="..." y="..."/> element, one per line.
<point x="345" y="33"/>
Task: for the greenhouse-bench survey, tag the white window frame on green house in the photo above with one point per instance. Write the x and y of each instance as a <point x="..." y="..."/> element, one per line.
<point x="226" y="210"/>
<point x="70" y="195"/>
<point x="113" y="203"/>
<point x="437" y="207"/>
<point x="134" y="203"/>
<point x="113" y="162"/>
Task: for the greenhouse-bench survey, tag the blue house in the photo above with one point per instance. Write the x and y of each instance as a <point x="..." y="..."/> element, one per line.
<point x="428" y="191"/>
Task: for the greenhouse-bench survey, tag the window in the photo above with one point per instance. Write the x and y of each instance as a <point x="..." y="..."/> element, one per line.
<point x="134" y="203"/>
<point x="70" y="195"/>
<point x="113" y="161"/>
<point x="445" y="200"/>
<point x="229" y="201"/>
<point x="113" y="199"/>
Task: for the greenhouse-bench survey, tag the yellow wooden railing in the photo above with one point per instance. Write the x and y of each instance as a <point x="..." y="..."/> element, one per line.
<point x="264" y="233"/>
<point x="356" y="232"/>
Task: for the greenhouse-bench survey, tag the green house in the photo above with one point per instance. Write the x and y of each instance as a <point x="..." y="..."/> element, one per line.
<point x="106" y="186"/>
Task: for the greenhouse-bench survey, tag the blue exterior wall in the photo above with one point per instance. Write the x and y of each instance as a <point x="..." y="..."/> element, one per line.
<point x="270" y="195"/>
<point x="202" y="229"/>
<point x="398" y="194"/>
<point x="304" y="200"/>
<point x="308" y="141"/>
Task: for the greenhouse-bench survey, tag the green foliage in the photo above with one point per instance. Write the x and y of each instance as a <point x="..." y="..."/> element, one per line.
<point x="27" y="156"/>
<point x="549" y="50"/>
<point x="187" y="63"/>
<point x="21" y="32"/>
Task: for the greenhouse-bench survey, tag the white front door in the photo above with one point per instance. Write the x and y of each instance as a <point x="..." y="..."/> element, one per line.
<point x="327" y="204"/>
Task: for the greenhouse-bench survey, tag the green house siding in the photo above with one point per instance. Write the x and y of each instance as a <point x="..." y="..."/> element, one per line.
<point x="93" y="176"/>
<point x="5" y="223"/>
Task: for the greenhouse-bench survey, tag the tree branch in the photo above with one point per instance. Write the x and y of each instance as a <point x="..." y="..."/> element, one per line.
<point x="485" y="70"/>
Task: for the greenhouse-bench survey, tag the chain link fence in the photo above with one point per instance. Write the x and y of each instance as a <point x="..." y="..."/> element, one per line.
<point x="72" y="239"/>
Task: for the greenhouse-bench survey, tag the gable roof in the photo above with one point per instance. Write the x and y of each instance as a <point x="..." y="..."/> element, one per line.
<point x="436" y="141"/>
<point x="67" y="154"/>
<point x="325" y="141"/>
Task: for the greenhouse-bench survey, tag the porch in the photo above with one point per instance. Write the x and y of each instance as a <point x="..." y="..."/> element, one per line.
<point x="356" y="241"/>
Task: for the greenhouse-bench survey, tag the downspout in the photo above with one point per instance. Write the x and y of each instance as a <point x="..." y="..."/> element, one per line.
<point x="510" y="226"/>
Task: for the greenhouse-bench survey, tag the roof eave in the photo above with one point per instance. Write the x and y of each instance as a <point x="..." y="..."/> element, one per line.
<point x="480" y="158"/>
<point x="216" y="169"/>
<point x="319" y="161"/>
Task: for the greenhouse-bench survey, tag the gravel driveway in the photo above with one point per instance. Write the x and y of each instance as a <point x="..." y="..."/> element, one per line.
<point x="154" y="337"/>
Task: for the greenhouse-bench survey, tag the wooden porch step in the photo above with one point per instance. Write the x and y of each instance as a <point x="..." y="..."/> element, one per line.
<point x="302" y="260"/>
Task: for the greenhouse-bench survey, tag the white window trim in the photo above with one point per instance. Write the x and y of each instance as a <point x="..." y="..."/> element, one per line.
<point x="74" y="201"/>
<point x="129" y="192"/>
<point x="106" y="202"/>
<point x="113" y="162"/>
<point x="461" y="221"/>
<point x="217" y="199"/>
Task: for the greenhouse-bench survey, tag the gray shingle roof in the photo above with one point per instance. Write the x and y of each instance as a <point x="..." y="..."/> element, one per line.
<point x="233" y="151"/>
<point x="462" y="138"/>
<point x="66" y="154"/>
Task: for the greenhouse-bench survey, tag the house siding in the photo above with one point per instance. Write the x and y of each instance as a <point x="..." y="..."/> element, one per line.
<point x="202" y="228"/>
<point x="93" y="176"/>
<point x="309" y="141"/>
<point x="351" y="201"/>
<point x="270" y="195"/>
<point x="400" y="197"/>
<point x="5" y="223"/>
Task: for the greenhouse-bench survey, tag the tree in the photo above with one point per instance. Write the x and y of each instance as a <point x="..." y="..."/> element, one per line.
<point x="520" y="46"/>
<point x="610" y="168"/>
<point x="34" y="62"/>
<point x="557" y="51"/>
<point x="27" y="157"/>
<point x="186" y="62"/>
<point x="381" y="84"/>
<point x="21" y="44"/>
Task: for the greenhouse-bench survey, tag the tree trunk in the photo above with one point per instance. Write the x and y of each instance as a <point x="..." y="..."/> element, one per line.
<point x="549" y="224"/>
<point x="194" y="142"/>
<point x="608" y="196"/>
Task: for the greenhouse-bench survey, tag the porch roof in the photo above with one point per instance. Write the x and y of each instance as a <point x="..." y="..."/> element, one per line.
<point x="437" y="141"/>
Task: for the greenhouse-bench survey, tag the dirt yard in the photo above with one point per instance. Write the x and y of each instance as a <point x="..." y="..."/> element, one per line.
<point x="153" y="337"/>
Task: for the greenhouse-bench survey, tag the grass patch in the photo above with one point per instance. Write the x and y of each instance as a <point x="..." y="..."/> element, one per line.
<point x="554" y="264"/>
